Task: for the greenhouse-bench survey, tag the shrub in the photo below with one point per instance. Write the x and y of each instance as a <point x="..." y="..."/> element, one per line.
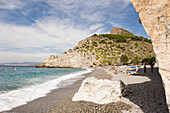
<point x="94" y="63"/>
<point x="87" y="47"/>
<point x="113" y="54"/>
<point x="97" y="57"/>
<point x="118" y="46"/>
<point x="100" y="48"/>
<point x="123" y="38"/>
<point x="70" y="50"/>
<point x="105" y="50"/>
<point x="92" y="48"/>
<point x="136" y="44"/>
<point x="94" y="44"/>
<point x="76" y="48"/>
<point x="123" y="58"/>
<point x="151" y="60"/>
<point x="118" y="53"/>
<point x="95" y="35"/>
<point x="125" y="63"/>
<point x="145" y="60"/>
<point x="122" y="48"/>
<point x="109" y="42"/>
<point x="135" y="61"/>
<point x="102" y="42"/>
<point x="83" y="45"/>
<point x="147" y="40"/>
<point x="109" y="62"/>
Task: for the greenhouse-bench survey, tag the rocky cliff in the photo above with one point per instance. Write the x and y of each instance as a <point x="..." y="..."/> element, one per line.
<point x="116" y="30"/>
<point x="155" y="17"/>
<point x="103" y="49"/>
<point x="69" y="59"/>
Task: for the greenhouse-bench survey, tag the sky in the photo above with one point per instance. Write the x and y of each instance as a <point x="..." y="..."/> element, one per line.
<point x="32" y="30"/>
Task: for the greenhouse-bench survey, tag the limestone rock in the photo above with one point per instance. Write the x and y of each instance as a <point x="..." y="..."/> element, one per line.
<point x="155" y="17"/>
<point x="116" y="30"/>
<point x="70" y="59"/>
<point x="101" y="91"/>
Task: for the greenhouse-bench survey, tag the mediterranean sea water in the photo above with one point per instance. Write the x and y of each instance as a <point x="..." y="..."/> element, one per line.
<point x="21" y="84"/>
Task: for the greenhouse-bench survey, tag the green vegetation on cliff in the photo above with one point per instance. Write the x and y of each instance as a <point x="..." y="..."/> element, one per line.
<point x="108" y="49"/>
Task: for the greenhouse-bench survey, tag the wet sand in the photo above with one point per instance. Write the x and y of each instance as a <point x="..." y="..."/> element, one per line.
<point x="148" y="97"/>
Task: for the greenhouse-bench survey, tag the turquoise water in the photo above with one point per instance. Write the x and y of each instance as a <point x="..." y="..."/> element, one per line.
<point x="26" y="76"/>
<point x="19" y="85"/>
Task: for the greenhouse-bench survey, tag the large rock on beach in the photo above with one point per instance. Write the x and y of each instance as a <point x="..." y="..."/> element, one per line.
<point x="100" y="91"/>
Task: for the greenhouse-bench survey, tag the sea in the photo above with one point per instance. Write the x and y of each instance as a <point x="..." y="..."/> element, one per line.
<point x="21" y="84"/>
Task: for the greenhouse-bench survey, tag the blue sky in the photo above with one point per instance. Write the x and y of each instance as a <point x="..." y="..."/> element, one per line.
<point x="32" y="30"/>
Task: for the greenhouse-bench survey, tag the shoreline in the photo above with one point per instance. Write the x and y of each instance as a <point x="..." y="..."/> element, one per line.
<point x="41" y="105"/>
<point x="22" y="96"/>
<point x="148" y="96"/>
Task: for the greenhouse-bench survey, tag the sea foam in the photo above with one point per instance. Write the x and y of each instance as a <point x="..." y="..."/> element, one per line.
<point x="21" y="96"/>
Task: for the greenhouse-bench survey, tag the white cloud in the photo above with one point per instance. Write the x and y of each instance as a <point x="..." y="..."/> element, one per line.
<point x="91" y="10"/>
<point x="10" y="4"/>
<point x="96" y="26"/>
<point x="55" y="33"/>
<point x="92" y="16"/>
<point x="101" y="31"/>
<point x="116" y="24"/>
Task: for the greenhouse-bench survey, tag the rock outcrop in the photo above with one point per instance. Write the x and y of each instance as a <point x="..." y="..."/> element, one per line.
<point x="116" y="30"/>
<point x="70" y="59"/>
<point x="155" y="17"/>
<point x="100" y="91"/>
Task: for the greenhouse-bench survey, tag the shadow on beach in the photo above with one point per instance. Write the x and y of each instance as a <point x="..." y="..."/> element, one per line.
<point x="150" y="95"/>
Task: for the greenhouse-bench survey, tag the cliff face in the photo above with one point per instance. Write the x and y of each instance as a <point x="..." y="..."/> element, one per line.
<point x="155" y="17"/>
<point x="103" y="49"/>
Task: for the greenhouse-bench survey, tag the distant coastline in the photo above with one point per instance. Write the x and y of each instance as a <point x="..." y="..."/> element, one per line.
<point x="20" y="64"/>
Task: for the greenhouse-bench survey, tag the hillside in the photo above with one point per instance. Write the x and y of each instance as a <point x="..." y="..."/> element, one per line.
<point x="103" y="49"/>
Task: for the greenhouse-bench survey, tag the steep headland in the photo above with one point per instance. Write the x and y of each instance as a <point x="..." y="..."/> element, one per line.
<point x="103" y="49"/>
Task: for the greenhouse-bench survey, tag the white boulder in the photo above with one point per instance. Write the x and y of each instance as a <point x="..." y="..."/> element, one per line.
<point x="100" y="91"/>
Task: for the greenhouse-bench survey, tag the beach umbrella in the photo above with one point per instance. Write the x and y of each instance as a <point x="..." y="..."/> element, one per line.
<point x="134" y="66"/>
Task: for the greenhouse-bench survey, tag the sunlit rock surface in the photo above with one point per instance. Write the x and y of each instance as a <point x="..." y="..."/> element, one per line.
<point x="155" y="17"/>
<point x="100" y="91"/>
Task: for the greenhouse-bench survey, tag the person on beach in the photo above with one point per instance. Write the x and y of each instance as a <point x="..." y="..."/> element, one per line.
<point x="144" y="68"/>
<point x="151" y="65"/>
<point x="136" y="69"/>
<point x="128" y="72"/>
<point x="116" y="71"/>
